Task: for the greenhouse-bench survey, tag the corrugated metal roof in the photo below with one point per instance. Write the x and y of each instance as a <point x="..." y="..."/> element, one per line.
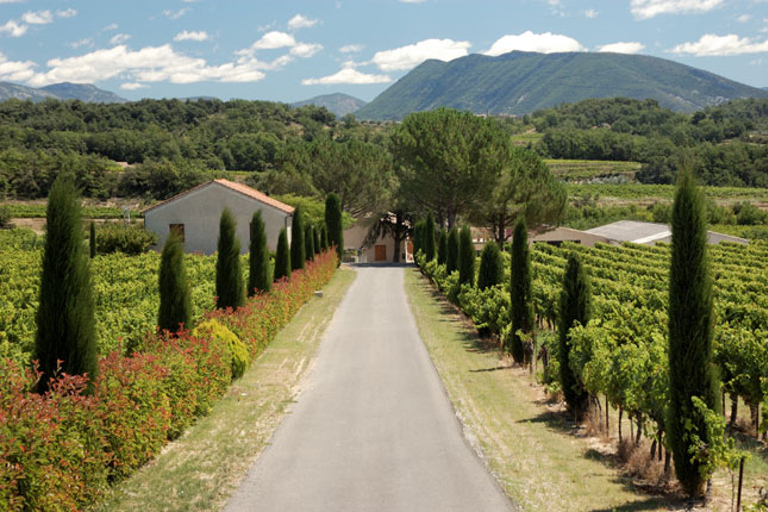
<point x="651" y="233"/>
<point x="237" y="187"/>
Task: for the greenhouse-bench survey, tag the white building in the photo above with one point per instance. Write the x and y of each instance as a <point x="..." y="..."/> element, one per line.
<point x="195" y="214"/>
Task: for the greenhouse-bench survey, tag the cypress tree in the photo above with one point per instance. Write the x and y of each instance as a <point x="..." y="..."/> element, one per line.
<point x="175" y="295"/>
<point x="333" y="224"/>
<point x="258" y="277"/>
<point x="298" y="245"/>
<point x="691" y="371"/>
<point x="521" y="303"/>
<point x="66" y="329"/>
<point x="452" y="251"/>
<point x="316" y="240"/>
<point x="575" y="306"/>
<point x="467" y="258"/>
<point x="92" y="239"/>
<point x="282" y="257"/>
<point x="442" y="247"/>
<point x="309" y="243"/>
<point x="491" y="266"/>
<point x="429" y="237"/>
<point x="418" y="237"/>
<point x="230" y="289"/>
<point x="323" y="238"/>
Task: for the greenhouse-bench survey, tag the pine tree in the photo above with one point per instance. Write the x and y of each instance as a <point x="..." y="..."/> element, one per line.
<point x="691" y="370"/>
<point x="467" y="257"/>
<point x="429" y="237"/>
<point x="175" y="295"/>
<point x="333" y="224"/>
<point x="258" y="278"/>
<point x="66" y="329"/>
<point x="92" y="239"/>
<point x="575" y="306"/>
<point x="491" y="267"/>
<point x="316" y="240"/>
<point x="230" y="289"/>
<point x="298" y="245"/>
<point x="282" y="257"/>
<point x="521" y="302"/>
<point x="442" y="247"/>
<point x="452" y="251"/>
<point x="309" y="243"/>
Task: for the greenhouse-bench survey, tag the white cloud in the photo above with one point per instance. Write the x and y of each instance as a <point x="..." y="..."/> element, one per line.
<point x="306" y="50"/>
<point x="119" y="38"/>
<point x="113" y="26"/>
<point x="631" y="47"/>
<point x="11" y="1"/>
<point x="271" y="41"/>
<point x="174" y="15"/>
<point x="530" y="42"/>
<point x="150" y="64"/>
<point x="299" y="22"/>
<point x="352" y="48"/>
<point x="712" y="45"/>
<point x="16" y="71"/>
<point x="646" y="9"/>
<point x="744" y="18"/>
<point x="591" y="13"/>
<point x="407" y="57"/>
<point x="348" y="76"/>
<point x="82" y="42"/>
<point x="412" y="1"/>
<point x="132" y="86"/>
<point x="13" y="29"/>
<point x="192" y="36"/>
<point x="66" y="13"/>
<point x="37" y="17"/>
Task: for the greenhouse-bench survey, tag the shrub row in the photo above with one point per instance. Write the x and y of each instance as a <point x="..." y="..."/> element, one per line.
<point x="60" y="450"/>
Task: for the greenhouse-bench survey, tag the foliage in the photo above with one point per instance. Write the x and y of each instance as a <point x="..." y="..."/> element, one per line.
<point x="92" y="240"/>
<point x="520" y="291"/>
<point x="333" y="224"/>
<point x="466" y="258"/>
<point x="230" y="289"/>
<point x="298" y="246"/>
<point x="282" y="257"/>
<point x="175" y="298"/>
<point x="429" y="237"/>
<point x="491" y="270"/>
<point x="131" y="240"/>
<point x="452" y="250"/>
<point x="259" y="280"/>
<point x="66" y="332"/>
<point x="442" y="247"/>
<point x="238" y="351"/>
<point x="690" y="332"/>
<point x="309" y="242"/>
<point x="5" y="216"/>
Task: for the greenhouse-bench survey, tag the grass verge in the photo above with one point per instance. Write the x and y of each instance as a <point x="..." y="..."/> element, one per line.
<point x="201" y="470"/>
<point x="529" y="446"/>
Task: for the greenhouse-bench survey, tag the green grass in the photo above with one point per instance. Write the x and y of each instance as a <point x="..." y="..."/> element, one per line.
<point x="201" y="470"/>
<point x="523" y="139"/>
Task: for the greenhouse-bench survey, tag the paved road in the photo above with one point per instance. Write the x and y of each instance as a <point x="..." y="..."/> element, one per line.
<point x="373" y="430"/>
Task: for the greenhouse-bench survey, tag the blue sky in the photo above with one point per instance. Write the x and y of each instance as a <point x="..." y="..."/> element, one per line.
<point x="292" y="50"/>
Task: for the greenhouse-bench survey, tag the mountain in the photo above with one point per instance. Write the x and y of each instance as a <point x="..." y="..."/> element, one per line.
<point x="21" y="92"/>
<point x="83" y="92"/>
<point x="522" y="82"/>
<point x="339" y="104"/>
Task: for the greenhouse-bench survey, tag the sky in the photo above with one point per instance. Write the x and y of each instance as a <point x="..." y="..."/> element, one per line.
<point x="291" y="50"/>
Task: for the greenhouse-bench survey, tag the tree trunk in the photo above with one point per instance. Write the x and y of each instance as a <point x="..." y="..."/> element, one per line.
<point x="754" y="411"/>
<point x="621" y="413"/>
<point x="653" y="450"/>
<point x="639" y="429"/>
<point x="734" y="408"/>
<point x="661" y="445"/>
<point x="396" y="256"/>
<point x="667" y="461"/>
<point x="607" y="417"/>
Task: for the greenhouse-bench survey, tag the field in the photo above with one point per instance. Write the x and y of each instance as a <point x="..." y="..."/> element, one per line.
<point x="574" y="171"/>
<point x="650" y="193"/>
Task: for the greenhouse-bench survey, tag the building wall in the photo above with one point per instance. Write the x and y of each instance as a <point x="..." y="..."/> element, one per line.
<point x="200" y="212"/>
<point x="354" y="238"/>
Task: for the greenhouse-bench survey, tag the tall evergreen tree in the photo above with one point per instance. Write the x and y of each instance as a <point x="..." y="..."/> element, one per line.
<point x="467" y="257"/>
<point x="258" y="278"/>
<point x="230" y="288"/>
<point x="175" y="295"/>
<point x="316" y="240"/>
<point x="282" y="257"/>
<point x="418" y="236"/>
<point x="452" y="251"/>
<point x="66" y="329"/>
<point x="691" y="370"/>
<point x="323" y="238"/>
<point x="442" y="247"/>
<point x="429" y="237"/>
<point x="575" y="306"/>
<point x="298" y="246"/>
<point x="92" y="239"/>
<point x="309" y="243"/>
<point x="521" y="301"/>
<point x="491" y="267"/>
<point x="333" y="224"/>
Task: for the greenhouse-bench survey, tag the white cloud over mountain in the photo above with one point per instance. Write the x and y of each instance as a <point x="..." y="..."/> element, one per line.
<point x="531" y="42"/>
<point x="713" y="45"/>
<point x="629" y="48"/>
<point x="410" y="56"/>
<point x="348" y="76"/>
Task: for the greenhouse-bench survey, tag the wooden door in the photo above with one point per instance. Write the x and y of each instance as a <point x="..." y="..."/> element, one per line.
<point x="380" y="253"/>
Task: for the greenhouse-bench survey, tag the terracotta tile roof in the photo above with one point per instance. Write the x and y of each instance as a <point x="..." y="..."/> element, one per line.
<point x="237" y="187"/>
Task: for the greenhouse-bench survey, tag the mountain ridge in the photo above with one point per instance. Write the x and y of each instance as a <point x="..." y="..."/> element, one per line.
<point x="518" y="83"/>
<point x="339" y="103"/>
<point x="88" y="93"/>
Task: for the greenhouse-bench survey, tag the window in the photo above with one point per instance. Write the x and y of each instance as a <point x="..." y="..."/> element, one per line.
<point x="179" y="229"/>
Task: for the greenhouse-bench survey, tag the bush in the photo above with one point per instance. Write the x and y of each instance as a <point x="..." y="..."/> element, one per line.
<point x="452" y="251"/>
<point x="175" y="296"/>
<point x="467" y="258"/>
<point x="130" y="240"/>
<point x="5" y="216"/>
<point x="211" y="329"/>
<point x="491" y="266"/>
<point x="230" y="289"/>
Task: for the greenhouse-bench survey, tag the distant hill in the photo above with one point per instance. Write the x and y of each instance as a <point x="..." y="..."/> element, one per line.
<point x="63" y="91"/>
<point x="84" y="92"/>
<point x="523" y="82"/>
<point x="339" y="104"/>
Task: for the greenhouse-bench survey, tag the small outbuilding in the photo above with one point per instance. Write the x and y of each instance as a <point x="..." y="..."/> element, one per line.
<point x="650" y="233"/>
<point x="195" y="215"/>
<point x="360" y="248"/>
<point x="561" y="235"/>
